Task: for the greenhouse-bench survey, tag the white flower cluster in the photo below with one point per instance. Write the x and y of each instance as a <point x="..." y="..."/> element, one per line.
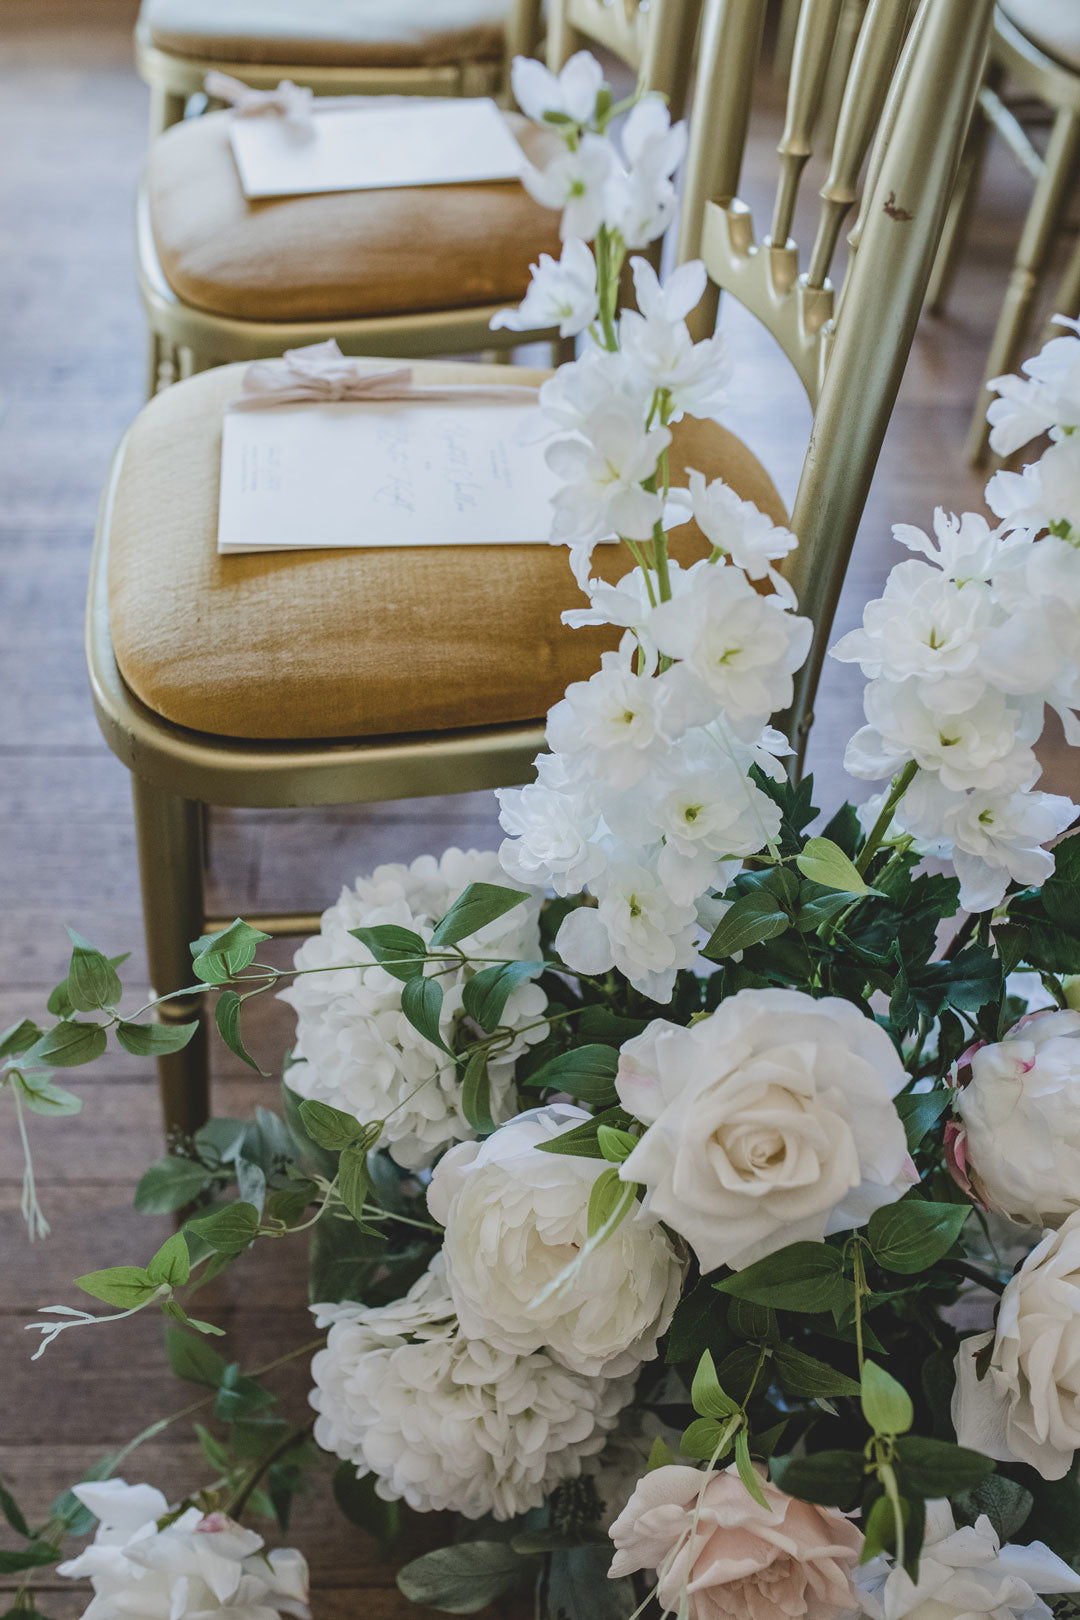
<point x="449" y="1422"/>
<point x="355" y="1048"/>
<point x="967" y="649"/>
<point x="198" y="1566"/>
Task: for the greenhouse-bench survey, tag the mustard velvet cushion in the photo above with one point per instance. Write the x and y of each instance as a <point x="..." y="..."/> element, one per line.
<point x="342" y="254"/>
<point x="334" y="33"/>
<point x="334" y="643"/>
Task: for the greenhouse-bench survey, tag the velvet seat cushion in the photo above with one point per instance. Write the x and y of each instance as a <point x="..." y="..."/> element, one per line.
<point x="334" y="33"/>
<point x="347" y="643"/>
<point x="1052" y="25"/>
<point x="337" y="255"/>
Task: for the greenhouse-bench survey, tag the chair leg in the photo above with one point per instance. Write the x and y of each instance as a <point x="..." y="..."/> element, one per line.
<point x="154" y="353"/>
<point x="954" y="233"/>
<point x="1067" y="297"/>
<point x="167" y="831"/>
<point x="1036" y="242"/>
<point x="166" y="108"/>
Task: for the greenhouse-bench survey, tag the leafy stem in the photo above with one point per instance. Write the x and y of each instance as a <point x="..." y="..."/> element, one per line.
<point x="900" y="784"/>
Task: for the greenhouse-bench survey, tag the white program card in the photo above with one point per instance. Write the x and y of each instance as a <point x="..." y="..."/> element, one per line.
<point x="432" y="143"/>
<point x="385" y="473"/>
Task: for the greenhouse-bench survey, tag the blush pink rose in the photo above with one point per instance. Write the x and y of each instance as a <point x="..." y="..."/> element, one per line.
<point x="744" y="1562"/>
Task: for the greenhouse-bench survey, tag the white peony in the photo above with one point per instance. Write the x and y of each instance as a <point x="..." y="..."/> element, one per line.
<point x="196" y="1567"/>
<point x="1019" y="1110"/>
<point x="964" y="1573"/>
<point x="769" y="1122"/>
<point x="1026" y="1408"/>
<point x="450" y="1423"/>
<point x="356" y="1050"/>
<point x="515" y="1219"/>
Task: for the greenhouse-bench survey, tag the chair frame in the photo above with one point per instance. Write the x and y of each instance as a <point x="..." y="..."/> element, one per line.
<point x="1017" y="57"/>
<point x="174" y="78"/>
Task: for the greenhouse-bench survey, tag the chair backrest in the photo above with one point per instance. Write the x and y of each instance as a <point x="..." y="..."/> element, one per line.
<point x="653" y="37"/>
<point x="910" y="73"/>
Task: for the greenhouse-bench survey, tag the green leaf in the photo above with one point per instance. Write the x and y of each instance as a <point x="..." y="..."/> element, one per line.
<point x="804" y="1375"/>
<point x="920" y="1111"/>
<point x="68" y="1044"/>
<point x="250" y="1183"/>
<point x="586" y="1073"/>
<point x="746" y="1469"/>
<point x="192" y="1359"/>
<point x="607" y="1194"/>
<point x="397" y="950"/>
<point x="912" y="1235"/>
<point x="802" y="1277"/>
<point x="706" y="1395"/>
<point x="171" y="1264"/>
<point x="473" y="909"/>
<point x="19" y="1037"/>
<point x="123" y="1286"/>
<point x="227" y="1016"/>
<point x="329" y="1127"/>
<point x="170" y="1184"/>
<point x="213" y="1450"/>
<point x="476" y="1094"/>
<point x="756" y="1323"/>
<point x="154" y="1040"/>
<point x="582" y="1141"/>
<point x="660" y="1455"/>
<point x="13" y="1513"/>
<point x="356" y="1497"/>
<point x="354" y="1180"/>
<point x="880" y="1528"/>
<point x="44" y="1096"/>
<point x="421" y="1002"/>
<point x="702" y="1438"/>
<point x="229" y="1229"/>
<point x="216" y="958"/>
<point x="1006" y="1504"/>
<point x="931" y="1468"/>
<point x="467" y="1577"/>
<point x="886" y="1404"/>
<point x="238" y="1396"/>
<point x="752" y="918"/>
<point x="92" y="982"/>
<point x="616" y="1146"/>
<point x="32" y="1556"/>
<point x="578" y="1587"/>
<point x="831" y="1478"/>
<point x="824" y="862"/>
<point x="485" y="995"/>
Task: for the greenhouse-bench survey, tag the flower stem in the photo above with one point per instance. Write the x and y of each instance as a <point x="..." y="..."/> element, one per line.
<point x="900" y="785"/>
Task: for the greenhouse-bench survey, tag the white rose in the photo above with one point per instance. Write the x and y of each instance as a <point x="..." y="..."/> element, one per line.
<point x="515" y="1218"/>
<point x="769" y="1122"/>
<point x="965" y="1573"/>
<point x="197" y="1566"/>
<point x="1027" y="1406"/>
<point x="1020" y="1111"/>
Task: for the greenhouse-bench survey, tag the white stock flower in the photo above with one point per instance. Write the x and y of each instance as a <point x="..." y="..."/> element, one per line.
<point x="923" y="625"/>
<point x="1026" y="1407"/>
<point x="571" y="93"/>
<point x="642" y="198"/>
<point x="550" y="829"/>
<point x="965" y="1573"/>
<point x="741" y="530"/>
<point x="355" y="1048"/>
<point x="603" y="473"/>
<point x="197" y="1566"/>
<point x="1019" y="1111"/>
<point x="577" y="182"/>
<point x="637" y="927"/>
<point x="658" y="345"/>
<point x="515" y="1218"/>
<point x="740" y="649"/>
<point x="447" y="1422"/>
<point x="572" y="396"/>
<point x="707" y="810"/>
<point x="610" y="725"/>
<point x="982" y="744"/>
<point x="1046" y="492"/>
<point x="562" y="293"/>
<point x="1049" y="396"/>
<point x="769" y="1122"/>
<point x="967" y="548"/>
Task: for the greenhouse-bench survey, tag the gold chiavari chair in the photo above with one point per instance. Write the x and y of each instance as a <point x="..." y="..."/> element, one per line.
<point x="409" y="47"/>
<point x="410" y="272"/>
<point x="324" y="678"/>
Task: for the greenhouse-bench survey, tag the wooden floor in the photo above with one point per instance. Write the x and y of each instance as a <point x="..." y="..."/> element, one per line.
<point x="72" y="119"/>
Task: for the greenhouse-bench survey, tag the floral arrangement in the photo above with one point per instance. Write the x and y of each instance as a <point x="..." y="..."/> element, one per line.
<point x="694" y="1209"/>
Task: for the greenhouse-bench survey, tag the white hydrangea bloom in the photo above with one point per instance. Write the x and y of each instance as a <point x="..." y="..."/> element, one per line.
<point x="356" y="1050"/>
<point x="515" y="1217"/>
<point x="450" y="1423"/>
<point x="197" y="1567"/>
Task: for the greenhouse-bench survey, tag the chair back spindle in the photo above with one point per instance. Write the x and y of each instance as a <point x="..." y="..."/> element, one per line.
<point x="653" y="37"/>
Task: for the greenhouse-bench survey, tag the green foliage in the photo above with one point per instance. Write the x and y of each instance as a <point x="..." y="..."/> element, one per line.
<point x="824" y="862"/>
<point x="706" y="1395"/>
<point x="331" y="1128"/>
<point x="485" y="995"/>
<point x="930" y="1468"/>
<point x="476" y="1093"/>
<point x="154" y="1040"/>
<point x="192" y="1358"/>
<point x="421" y="1002"/>
<point x="68" y="1044"/>
<point x="217" y="958"/>
<point x="474" y="908"/>
<point x="170" y="1184"/>
<point x="397" y="950"/>
<point x="762" y="912"/>
<point x="910" y="1236"/>
<point x="356" y="1498"/>
<point x="831" y="1478"/>
<point x="583" y="1141"/>
<point x="465" y="1578"/>
<point x="227" y="1017"/>
<point x="806" y="1376"/>
<point x="227" y="1230"/>
<point x="801" y="1277"/>
<point x="586" y="1073"/>
<point x="92" y="982"/>
<point x="886" y="1404"/>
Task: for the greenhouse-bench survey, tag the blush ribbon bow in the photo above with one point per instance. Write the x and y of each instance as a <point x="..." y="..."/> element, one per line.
<point x="321" y="374"/>
<point x="290" y="102"/>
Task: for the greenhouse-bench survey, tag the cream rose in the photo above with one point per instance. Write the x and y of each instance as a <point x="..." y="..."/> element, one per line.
<point x="516" y="1218"/>
<point x="769" y="1122"/>
<point x="742" y="1560"/>
<point x="1019" y="1110"/>
<point x="1027" y="1406"/>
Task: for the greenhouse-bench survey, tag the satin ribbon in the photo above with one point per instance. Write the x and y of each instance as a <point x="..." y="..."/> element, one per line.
<point x="290" y="102"/>
<point x="321" y="374"/>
